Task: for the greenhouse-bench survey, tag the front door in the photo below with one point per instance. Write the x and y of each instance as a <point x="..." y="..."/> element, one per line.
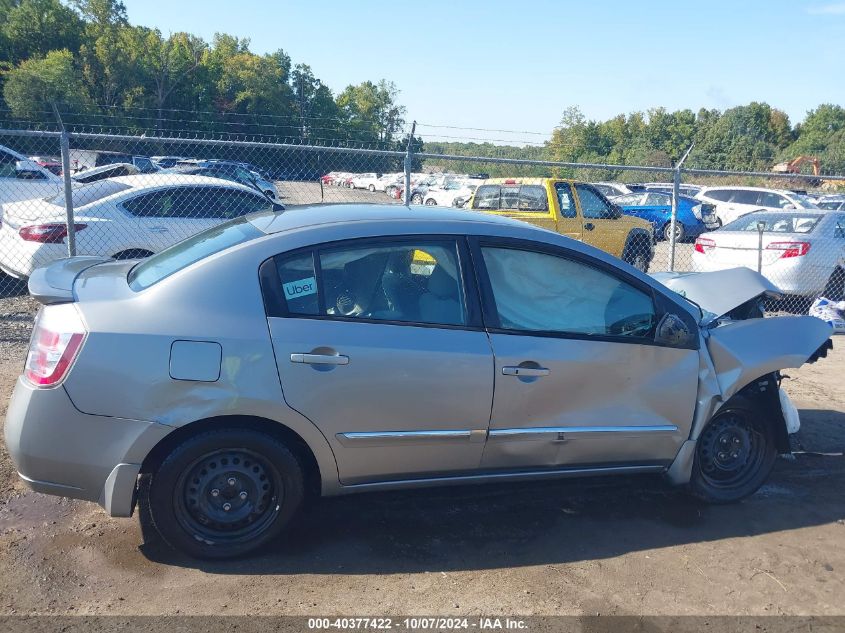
<point x="603" y="227"/>
<point x="381" y="349"/>
<point x="579" y="379"/>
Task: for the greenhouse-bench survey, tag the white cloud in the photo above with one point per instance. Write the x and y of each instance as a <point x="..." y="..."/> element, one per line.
<point x="836" y="8"/>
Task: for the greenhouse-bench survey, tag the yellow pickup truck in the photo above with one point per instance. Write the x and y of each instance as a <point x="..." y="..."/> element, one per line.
<point x="575" y="209"/>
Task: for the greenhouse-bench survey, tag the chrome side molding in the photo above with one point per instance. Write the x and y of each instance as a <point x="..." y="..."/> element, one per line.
<point x="563" y="433"/>
<point x="393" y="438"/>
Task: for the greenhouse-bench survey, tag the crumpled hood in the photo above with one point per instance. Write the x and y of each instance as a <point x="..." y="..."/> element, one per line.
<point x="721" y="291"/>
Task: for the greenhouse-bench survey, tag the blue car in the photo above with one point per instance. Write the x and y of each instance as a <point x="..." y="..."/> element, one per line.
<point x="694" y="217"/>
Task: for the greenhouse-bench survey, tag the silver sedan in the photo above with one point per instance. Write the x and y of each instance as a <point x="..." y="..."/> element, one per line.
<point x="348" y="348"/>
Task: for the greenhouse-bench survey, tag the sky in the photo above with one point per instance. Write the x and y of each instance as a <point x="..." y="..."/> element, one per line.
<point x="517" y="64"/>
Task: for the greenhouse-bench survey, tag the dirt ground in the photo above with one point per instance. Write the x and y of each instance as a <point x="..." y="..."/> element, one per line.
<point x="608" y="546"/>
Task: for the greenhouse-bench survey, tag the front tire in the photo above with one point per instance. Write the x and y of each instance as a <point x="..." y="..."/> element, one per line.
<point x="734" y="455"/>
<point x="416" y="198"/>
<point x="431" y="202"/>
<point x="224" y="493"/>
<point x="372" y="188"/>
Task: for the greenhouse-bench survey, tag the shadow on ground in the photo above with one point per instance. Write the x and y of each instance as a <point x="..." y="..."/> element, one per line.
<point x="537" y="523"/>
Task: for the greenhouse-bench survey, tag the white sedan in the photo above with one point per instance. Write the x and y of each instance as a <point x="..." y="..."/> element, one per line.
<point x="369" y="181"/>
<point x="445" y="196"/>
<point x="803" y="252"/>
<point x="124" y="218"/>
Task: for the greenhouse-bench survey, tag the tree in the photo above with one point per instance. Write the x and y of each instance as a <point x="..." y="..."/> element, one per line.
<point x="167" y="63"/>
<point x="35" y="27"/>
<point x="371" y="111"/>
<point x="38" y="84"/>
<point x="318" y="112"/>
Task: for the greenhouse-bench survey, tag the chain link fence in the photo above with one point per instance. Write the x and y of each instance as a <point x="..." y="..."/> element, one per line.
<point x="125" y="196"/>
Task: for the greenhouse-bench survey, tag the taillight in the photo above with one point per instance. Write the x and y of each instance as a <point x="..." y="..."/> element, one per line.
<point x="704" y="244"/>
<point x="55" y="344"/>
<point x="49" y="233"/>
<point x="789" y="249"/>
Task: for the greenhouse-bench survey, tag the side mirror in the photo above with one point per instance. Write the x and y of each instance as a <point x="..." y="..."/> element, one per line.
<point x="615" y="212"/>
<point x="277" y="208"/>
<point x="673" y="331"/>
<point x="789" y="207"/>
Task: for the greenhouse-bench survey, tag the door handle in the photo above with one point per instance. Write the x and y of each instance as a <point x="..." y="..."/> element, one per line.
<point x="320" y="359"/>
<point x="158" y="229"/>
<point x="589" y="226"/>
<point x="529" y="372"/>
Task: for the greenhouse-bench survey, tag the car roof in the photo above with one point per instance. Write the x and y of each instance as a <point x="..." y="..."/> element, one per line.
<point x="746" y="188"/>
<point x="163" y="179"/>
<point x="339" y="214"/>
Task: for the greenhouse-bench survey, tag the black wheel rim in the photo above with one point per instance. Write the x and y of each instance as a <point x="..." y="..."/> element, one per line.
<point x="229" y="496"/>
<point x="731" y="451"/>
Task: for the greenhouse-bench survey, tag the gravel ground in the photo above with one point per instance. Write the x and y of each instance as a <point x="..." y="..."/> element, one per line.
<point x="609" y="546"/>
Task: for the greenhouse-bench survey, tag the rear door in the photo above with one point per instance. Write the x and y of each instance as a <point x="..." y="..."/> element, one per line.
<point x="580" y="380"/>
<point x="379" y="343"/>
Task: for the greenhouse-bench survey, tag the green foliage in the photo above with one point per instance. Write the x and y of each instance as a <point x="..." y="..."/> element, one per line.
<point x="37" y="84"/>
<point x="84" y="58"/>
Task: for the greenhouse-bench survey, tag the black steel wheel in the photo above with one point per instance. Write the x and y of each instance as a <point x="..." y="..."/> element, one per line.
<point x="224" y="493"/>
<point x="228" y="495"/>
<point x="734" y="455"/>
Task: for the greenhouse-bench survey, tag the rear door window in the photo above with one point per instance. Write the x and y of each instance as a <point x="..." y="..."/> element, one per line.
<point x="565" y="200"/>
<point x="487" y="197"/>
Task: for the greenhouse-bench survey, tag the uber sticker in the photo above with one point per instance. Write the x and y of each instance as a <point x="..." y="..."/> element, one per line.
<point x="300" y="288"/>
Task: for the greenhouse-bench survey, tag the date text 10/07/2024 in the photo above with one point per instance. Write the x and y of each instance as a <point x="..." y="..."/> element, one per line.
<point x="418" y="624"/>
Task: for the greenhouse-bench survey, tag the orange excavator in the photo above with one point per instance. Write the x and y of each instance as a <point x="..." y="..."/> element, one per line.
<point x="794" y="167"/>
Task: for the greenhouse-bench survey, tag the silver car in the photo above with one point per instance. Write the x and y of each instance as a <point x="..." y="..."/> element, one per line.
<point x="349" y="348"/>
<point x="801" y="252"/>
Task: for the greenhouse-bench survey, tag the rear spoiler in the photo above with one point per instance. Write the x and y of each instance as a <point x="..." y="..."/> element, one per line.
<point x="54" y="283"/>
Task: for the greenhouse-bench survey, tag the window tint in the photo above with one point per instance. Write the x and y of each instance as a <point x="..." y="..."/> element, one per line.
<point x="655" y="199"/>
<point x="541" y="292"/>
<point x="487" y="197"/>
<point x="740" y="196"/>
<point x="722" y="195"/>
<point x="564" y="200"/>
<point x="299" y="284"/>
<point x="413" y="282"/>
<point x="593" y="206"/>
<point x="196" y="202"/>
<point x="776" y="222"/>
<point x="512" y="197"/>
<point x="768" y="199"/>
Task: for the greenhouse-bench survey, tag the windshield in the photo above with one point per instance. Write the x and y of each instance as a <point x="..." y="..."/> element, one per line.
<point x="776" y="222"/>
<point x="88" y="194"/>
<point x="805" y="202"/>
<point x="181" y="255"/>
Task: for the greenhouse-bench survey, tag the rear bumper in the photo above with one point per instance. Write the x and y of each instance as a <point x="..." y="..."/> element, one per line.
<point x="60" y="451"/>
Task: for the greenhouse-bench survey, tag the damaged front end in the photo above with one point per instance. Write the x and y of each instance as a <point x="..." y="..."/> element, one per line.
<point x="745" y="351"/>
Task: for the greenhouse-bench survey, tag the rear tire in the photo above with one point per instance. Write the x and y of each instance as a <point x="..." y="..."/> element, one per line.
<point x="835" y="288"/>
<point x="679" y="232"/>
<point x="733" y="456"/>
<point x="224" y="493"/>
<point x="372" y="188"/>
<point x="638" y="254"/>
